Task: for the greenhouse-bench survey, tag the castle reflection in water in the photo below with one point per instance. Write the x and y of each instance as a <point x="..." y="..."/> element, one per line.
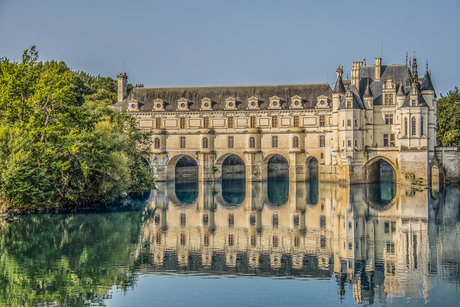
<point x="373" y="237"/>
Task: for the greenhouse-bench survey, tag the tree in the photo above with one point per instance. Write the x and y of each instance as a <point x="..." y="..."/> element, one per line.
<point x="448" y="112"/>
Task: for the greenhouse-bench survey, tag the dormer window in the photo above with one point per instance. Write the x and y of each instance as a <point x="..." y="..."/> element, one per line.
<point x="133" y="105"/>
<point x="158" y="105"/>
<point x="322" y="102"/>
<point x="275" y="103"/>
<point x="182" y="104"/>
<point x="348" y="104"/>
<point x="230" y="103"/>
<point x="253" y="102"/>
<point x="206" y="104"/>
<point x="296" y="102"/>
<point x="414" y="102"/>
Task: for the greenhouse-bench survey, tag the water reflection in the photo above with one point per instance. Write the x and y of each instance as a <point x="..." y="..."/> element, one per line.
<point x="376" y="242"/>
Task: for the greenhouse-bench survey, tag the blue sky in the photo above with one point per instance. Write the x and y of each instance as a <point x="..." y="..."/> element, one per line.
<point x="188" y="43"/>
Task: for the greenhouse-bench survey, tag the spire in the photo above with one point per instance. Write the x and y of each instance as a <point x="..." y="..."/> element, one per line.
<point x="339" y="87"/>
<point x="368" y="92"/>
<point x="427" y="84"/>
<point x="401" y="91"/>
<point x="414" y="70"/>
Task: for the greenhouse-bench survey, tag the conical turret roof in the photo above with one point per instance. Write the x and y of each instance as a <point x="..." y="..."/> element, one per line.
<point x="401" y="91"/>
<point x="367" y="92"/>
<point x="339" y="87"/>
<point x="427" y="84"/>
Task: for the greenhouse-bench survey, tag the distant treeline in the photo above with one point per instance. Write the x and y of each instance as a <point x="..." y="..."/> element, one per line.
<point x="61" y="143"/>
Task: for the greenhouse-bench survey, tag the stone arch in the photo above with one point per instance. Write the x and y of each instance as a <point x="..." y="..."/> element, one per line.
<point x="267" y="159"/>
<point x="171" y="167"/>
<point x="278" y="197"/>
<point x="220" y="161"/>
<point x="311" y="168"/>
<point x="376" y="167"/>
<point x="182" y="194"/>
<point x="232" y="193"/>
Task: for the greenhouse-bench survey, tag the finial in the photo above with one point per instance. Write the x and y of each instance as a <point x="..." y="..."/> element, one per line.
<point x="407" y="55"/>
<point x="339" y="71"/>
<point x="426" y="64"/>
<point x="364" y="62"/>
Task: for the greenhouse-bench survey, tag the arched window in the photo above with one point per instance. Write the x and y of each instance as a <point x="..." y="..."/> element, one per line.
<point x="157" y="143"/>
<point x="252" y="142"/>
<point x="414" y="126"/>
<point x="405" y="126"/>
<point x="295" y="142"/>
<point x="421" y="126"/>
<point x="205" y="142"/>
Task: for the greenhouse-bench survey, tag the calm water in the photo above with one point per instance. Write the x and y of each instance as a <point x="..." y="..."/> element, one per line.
<point x="235" y="243"/>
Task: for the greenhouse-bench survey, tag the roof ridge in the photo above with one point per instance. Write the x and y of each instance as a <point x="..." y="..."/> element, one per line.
<point x="236" y="85"/>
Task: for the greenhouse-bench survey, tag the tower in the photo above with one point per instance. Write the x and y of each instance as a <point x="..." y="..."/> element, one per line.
<point x="122" y="91"/>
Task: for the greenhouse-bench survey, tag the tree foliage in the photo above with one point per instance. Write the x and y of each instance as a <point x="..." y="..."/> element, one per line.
<point x="61" y="142"/>
<point x="448" y="112"/>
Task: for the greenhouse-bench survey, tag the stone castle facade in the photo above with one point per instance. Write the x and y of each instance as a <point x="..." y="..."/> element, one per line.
<point x="383" y="114"/>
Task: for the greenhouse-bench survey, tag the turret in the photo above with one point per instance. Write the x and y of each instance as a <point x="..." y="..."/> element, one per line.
<point x="400" y="96"/>
<point x="368" y="97"/>
<point x="339" y="89"/>
<point x="122" y="91"/>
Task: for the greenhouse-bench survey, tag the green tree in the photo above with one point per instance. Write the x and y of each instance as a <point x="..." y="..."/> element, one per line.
<point x="448" y="112"/>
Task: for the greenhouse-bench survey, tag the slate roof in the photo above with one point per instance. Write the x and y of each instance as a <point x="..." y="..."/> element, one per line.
<point x="427" y="84"/>
<point x="170" y="95"/>
<point x="357" y="103"/>
<point x="399" y="74"/>
<point x="421" y="101"/>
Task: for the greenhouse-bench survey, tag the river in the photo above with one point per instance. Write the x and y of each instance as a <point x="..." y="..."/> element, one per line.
<point x="232" y="242"/>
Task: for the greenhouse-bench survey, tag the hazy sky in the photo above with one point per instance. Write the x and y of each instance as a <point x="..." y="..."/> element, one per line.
<point x="187" y="43"/>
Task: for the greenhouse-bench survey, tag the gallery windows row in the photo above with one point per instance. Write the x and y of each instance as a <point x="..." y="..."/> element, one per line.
<point x="252" y="122"/>
<point x="251" y="142"/>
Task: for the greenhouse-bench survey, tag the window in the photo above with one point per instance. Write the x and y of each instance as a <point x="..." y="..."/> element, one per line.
<point x="386" y="227"/>
<point x="348" y="104"/>
<point x="322" y="221"/>
<point x="206" y="122"/>
<point x="274" y="141"/>
<point x="296" y="121"/>
<point x="275" y="241"/>
<point x="356" y="143"/>
<point x="387" y="99"/>
<point x="230" y="122"/>
<point x="297" y="241"/>
<point x="322" y="121"/>
<point x="231" y="219"/>
<point x="349" y="143"/>
<point x="391" y="100"/>
<point x="405" y="126"/>
<point x="182" y="123"/>
<point x="182" y="142"/>
<point x="323" y="242"/>
<point x="157" y="219"/>
<point x="206" y="239"/>
<point x="421" y="126"/>
<point x="205" y="142"/>
<point x="390" y="247"/>
<point x="158" y="237"/>
<point x="385" y="140"/>
<point x="349" y="122"/>
<point x="252" y="142"/>
<point x="205" y="219"/>
<point x="157" y="143"/>
<point x="322" y="155"/>
<point x="158" y="123"/>
<point x="230" y="142"/>
<point x="252" y="220"/>
<point x="414" y="128"/>
<point x="253" y="122"/>
<point x="275" y="220"/>
<point x="322" y="141"/>
<point x="393" y="226"/>
<point x="275" y="121"/>
<point x="231" y="240"/>
<point x="295" y="142"/>
<point x="392" y="140"/>
<point x="356" y="123"/>
<point x="414" y="103"/>
<point x="388" y="119"/>
<point x="296" y="220"/>
<point x="253" y="240"/>
<point x="182" y="219"/>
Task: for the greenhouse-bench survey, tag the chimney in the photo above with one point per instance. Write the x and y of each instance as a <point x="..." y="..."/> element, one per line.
<point x="377" y="68"/>
<point x="122" y="91"/>
<point x="355" y="74"/>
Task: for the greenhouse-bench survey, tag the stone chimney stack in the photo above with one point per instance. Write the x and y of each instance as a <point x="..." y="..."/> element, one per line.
<point x="355" y="74"/>
<point x="122" y="91"/>
<point x="377" y="69"/>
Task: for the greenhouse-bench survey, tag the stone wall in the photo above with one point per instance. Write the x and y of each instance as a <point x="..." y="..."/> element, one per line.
<point x="449" y="164"/>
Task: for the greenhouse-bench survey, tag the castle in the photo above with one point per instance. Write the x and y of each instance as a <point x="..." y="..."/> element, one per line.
<point x="384" y="115"/>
